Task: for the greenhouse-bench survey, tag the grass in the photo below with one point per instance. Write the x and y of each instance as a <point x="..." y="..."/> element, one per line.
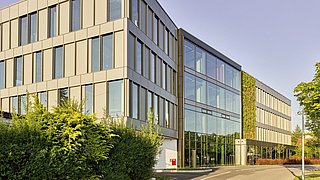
<point x="162" y="178"/>
<point x="309" y="177"/>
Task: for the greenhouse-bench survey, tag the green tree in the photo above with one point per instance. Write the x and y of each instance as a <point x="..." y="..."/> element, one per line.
<point x="308" y="95"/>
<point x="296" y="135"/>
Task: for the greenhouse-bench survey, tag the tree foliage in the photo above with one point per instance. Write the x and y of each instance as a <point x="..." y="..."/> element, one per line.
<point x="308" y="95"/>
<point x="296" y="135"/>
<point x="248" y="106"/>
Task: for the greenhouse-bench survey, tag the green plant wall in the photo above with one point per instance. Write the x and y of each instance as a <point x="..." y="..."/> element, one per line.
<point x="248" y="106"/>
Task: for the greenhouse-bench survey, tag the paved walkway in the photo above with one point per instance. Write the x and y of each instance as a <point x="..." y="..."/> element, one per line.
<point x="245" y="173"/>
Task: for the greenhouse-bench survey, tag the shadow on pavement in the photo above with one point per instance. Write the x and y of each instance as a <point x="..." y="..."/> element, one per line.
<point x="183" y="175"/>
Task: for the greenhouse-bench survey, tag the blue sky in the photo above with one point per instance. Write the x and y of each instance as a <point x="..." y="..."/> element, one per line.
<point x="278" y="42"/>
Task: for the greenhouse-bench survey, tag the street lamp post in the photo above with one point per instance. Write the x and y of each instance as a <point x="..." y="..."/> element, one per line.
<point x="302" y="145"/>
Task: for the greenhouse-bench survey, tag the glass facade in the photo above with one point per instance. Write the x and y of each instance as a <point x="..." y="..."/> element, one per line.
<point x="95" y="56"/>
<point x="115" y="8"/>
<point x="134" y="109"/>
<point x="2" y="75"/>
<point x="23" y="30"/>
<point x="134" y="11"/>
<point x="107" y="52"/>
<point x="88" y="99"/>
<point x="116" y="98"/>
<point x="33" y="27"/>
<point x="209" y="135"/>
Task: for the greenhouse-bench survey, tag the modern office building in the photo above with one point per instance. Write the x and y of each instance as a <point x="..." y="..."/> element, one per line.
<point x="266" y="123"/>
<point x="125" y="58"/>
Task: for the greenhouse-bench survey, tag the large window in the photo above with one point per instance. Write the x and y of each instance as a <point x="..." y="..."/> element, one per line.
<point x="89" y="99"/>
<point x="149" y="103"/>
<point x="95" y="56"/>
<point x="166" y="41"/>
<point x="33" y="27"/>
<point x="189" y="54"/>
<point x="211" y="66"/>
<point x="134" y="101"/>
<point x="139" y="52"/>
<point x="212" y="94"/>
<point x="63" y="95"/>
<point x="156" y="108"/>
<point x="190" y="120"/>
<point x="23" y="30"/>
<point x="52" y="21"/>
<point x="58" y="63"/>
<point x="160" y="35"/>
<point x="131" y="45"/>
<point x="134" y="12"/>
<point x="189" y="86"/>
<point x="153" y="67"/>
<point x="166" y="113"/>
<point x="169" y="79"/>
<point x="38" y="66"/>
<point x="76" y="15"/>
<point x="2" y="75"/>
<point x="22" y="104"/>
<point x="229" y="75"/>
<point x="18" y="73"/>
<point x="200" y="60"/>
<point x="15" y="104"/>
<point x="220" y="71"/>
<point x="236" y="79"/>
<point x="201" y="90"/>
<point x="116" y="98"/>
<point x="229" y="101"/>
<point x="220" y="97"/>
<point x="114" y="9"/>
<point x="155" y="29"/>
<point x="43" y="98"/>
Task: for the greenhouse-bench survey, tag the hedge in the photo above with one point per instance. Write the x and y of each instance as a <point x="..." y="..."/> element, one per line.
<point x="286" y="161"/>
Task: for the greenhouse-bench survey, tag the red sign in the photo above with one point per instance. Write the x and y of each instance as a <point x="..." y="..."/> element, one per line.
<point x="174" y="162"/>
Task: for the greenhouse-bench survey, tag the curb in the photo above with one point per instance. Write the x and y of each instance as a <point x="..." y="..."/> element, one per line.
<point x="183" y="171"/>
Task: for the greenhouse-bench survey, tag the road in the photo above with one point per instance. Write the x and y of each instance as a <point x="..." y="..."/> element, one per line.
<point x="245" y="173"/>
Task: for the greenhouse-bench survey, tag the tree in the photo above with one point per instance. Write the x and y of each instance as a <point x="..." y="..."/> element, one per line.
<point x="296" y="135"/>
<point x="308" y="95"/>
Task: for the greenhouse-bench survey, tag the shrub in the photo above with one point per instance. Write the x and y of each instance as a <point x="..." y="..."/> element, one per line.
<point x="134" y="153"/>
<point x="286" y="161"/>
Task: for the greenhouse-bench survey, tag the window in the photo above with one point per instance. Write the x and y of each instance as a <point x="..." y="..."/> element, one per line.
<point x="95" y="56"/>
<point x="143" y="106"/>
<point x="169" y="79"/>
<point x="164" y="75"/>
<point x="220" y="97"/>
<point x="116" y="98"/>
<point x="166" y="113"/>
<point x="229" y="101"/>
<point x="52" y="21"/>
<point x="146" y="62"/>
<point x="134" y="101"/>
<point x="15" y="104"/>
<point x="114" y="9"/>
<point x="23" y="30"/>
<point x="200" y="60"/>
<point x="152" y="67"/>
<point x="201" y="90"/>
<point x="58" y="63"/>
<point x="33" y="28"/>
<point x="189" y="86"/>
<point x="43" y="98"/>
<point x="76" y="13"/>
<point x="2" y="75"/>
<point x="236" y="79"/>
<point x="22" y="104"/>
<point x="143" y="10"/>
<point x="174" y="83"/>
<point x="150" y="23"/>
<point x="160" y="35"/>
<point x="107" y="52"/>
<point x="139" y="52"/>
<point x="156" y="108"/>
<point x="155" y="29"/>
<point x="189" y="54"/>
<point x="211" y="66"/>
<point x="220" y="71"/>
<point x="89" y="99"/>
<point x="131" y="45"/>
<point x="134" y="12"/>
<point x="229" y="75"/>
<point x="212" y="94"/>
<point x="63" y="95"/>
<point x="166" y="42"/>
<point x="38" y="66"/>
<point x="189" y="121"/>
<point x="18" y="76"/>
<point x="149" y="100"/>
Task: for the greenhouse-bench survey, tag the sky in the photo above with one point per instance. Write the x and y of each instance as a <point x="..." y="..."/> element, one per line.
<point x="278" y="42"/>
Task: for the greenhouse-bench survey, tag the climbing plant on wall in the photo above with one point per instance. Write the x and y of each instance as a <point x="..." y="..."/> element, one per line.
<point x="248" y="106"/>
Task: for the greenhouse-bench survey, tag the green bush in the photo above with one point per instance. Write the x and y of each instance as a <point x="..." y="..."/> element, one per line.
<point x="63" y="144"/>
<point x="134" y="152"/>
